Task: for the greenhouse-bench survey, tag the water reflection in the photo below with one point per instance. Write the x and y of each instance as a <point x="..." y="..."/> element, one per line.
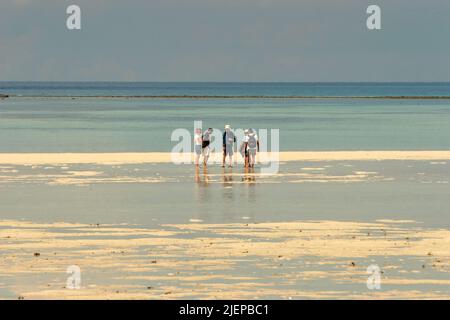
<point x="202" y="192"/>
<point x="202" y="179"/>
<point x="227" y="177"/>
<point x="228" y="181"/>
<point x="228" y="185"/>
<point x="249" y="175"/>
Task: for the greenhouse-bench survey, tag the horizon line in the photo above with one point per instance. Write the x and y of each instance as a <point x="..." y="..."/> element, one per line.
<point x="271" y="81"/>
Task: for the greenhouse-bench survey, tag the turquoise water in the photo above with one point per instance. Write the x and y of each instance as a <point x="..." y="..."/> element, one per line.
<point x="34" y="120"/>
<point x="125" y="125"/>
<point x="150" y="195"/>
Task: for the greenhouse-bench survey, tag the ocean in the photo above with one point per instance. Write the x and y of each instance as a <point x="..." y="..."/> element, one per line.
<point x="140" y="117"/>
<point x="150" y="230"/>
<point x="225" y="89"/>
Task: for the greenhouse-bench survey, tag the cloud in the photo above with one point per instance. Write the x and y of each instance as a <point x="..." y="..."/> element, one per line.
<point x="20" y="3"/>
<point x="224" y="40"/>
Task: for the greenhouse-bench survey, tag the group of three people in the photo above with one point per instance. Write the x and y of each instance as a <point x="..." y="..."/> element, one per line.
<point x="248" y="147"/>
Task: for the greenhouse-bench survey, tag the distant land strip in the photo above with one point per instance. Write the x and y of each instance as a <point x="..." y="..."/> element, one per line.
<point x="194" y="97"/>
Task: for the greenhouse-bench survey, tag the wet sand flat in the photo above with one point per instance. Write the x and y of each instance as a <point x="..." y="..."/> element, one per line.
<point x="299" y="259"/>
<point x="154" y="230"/>
<point x="165" y="157"/>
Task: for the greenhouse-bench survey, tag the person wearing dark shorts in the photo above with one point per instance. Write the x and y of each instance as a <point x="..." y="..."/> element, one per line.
<point x="206" y="140"/>
<point x="243" y="148"/>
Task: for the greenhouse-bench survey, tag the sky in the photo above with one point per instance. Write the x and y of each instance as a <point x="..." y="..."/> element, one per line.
<point x="225" y="40"/>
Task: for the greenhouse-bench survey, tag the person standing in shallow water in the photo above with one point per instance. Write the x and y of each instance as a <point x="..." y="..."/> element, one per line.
<point x="228" y="146"/>
<point x="206" y="141"/>
<point x="243" y="148"/>
<point x="252" y="146"/>
<point x="198" y="145"/>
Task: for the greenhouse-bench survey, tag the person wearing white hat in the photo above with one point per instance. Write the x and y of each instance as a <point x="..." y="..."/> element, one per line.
<point x="252" y="147"/>
<point x="228" y="146"/>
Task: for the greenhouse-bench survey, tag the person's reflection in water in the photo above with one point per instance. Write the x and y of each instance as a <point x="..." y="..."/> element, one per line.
<point x="198" y="177"/>
<point x="202" y="190"/>
<point x="228" y="184"/>
<point x="249" y="179"/>
<point x="227" y="178"/>
<point x="249" y="175"/>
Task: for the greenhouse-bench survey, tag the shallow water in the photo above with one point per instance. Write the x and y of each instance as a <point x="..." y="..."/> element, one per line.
<point x="127" y="125"/>
<point x="179" y="216"/>
<point x="150" y="194"/>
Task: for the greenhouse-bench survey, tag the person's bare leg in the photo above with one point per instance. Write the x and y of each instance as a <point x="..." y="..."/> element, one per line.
<point x="224" y="159"/>
<point x="197" y="174"/>
<point x="205" y="174"/>
<point x="197" y="159"/>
